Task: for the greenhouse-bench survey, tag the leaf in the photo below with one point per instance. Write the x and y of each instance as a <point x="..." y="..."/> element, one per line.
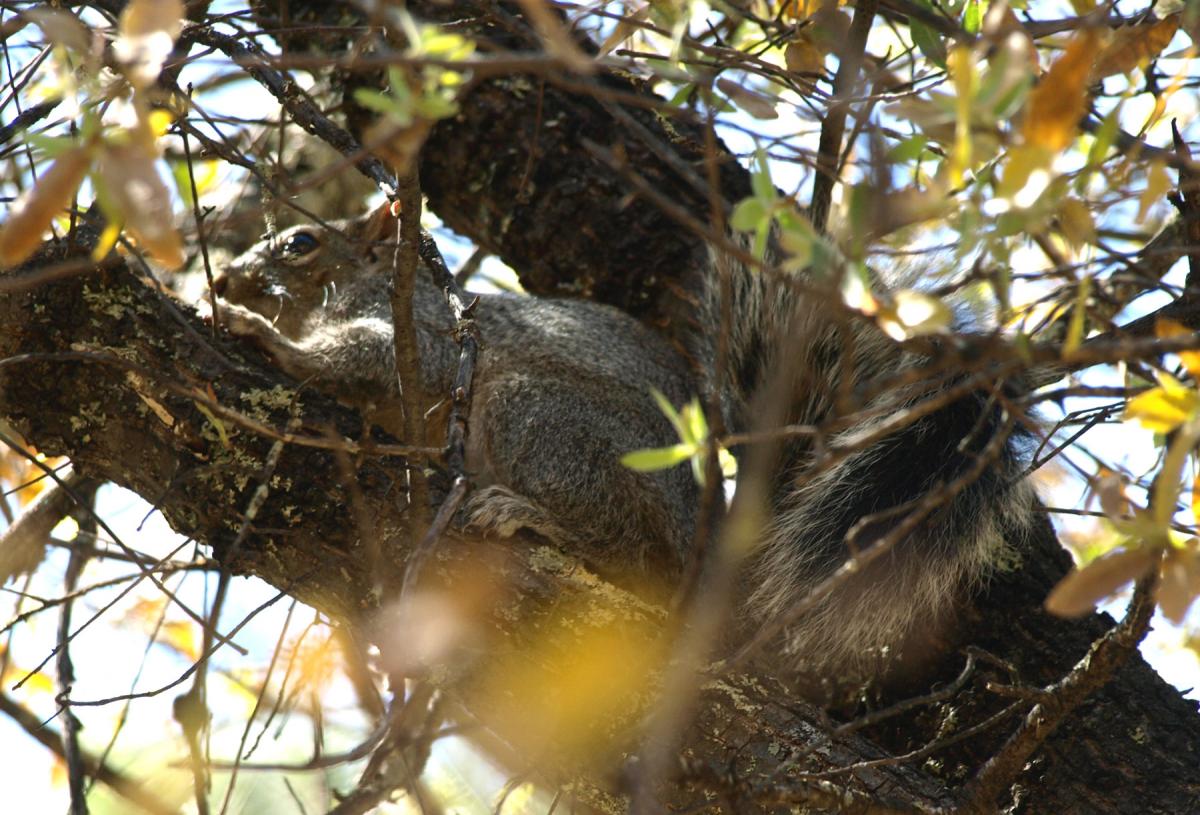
<point x="146" y="35"/>
<point x="1109" y="488"/>
<point x="1075" y="222"/>
<point x="1168" y="329"/>
<point x="760" y="179"/>
<point x="929" y="43"/>
<point x="1179" y="582"/>
<point x="1079" y="592"/>
<point x="756" y="104"/>
<point x="1164" y="408"/>
<point x="803" y="56"/>
<point x="1135" y="45"/>
<point x="1059" y="100"/>
<point x="799" y="10"/>
<point x="61" y="28"/>
<point x="1158" y="184"/>
<point x="748" y="215"/>
<point x="908" y="150"/>
<point x="132" y="193"/>
<point x="180" y="636"/>
<point x="797" y="238"/>
<point x="973" y="16"/>
<point x="22" y="233"/>
<point x="913" y="314"/>
<point x="668" y="410"/>
<point x="652" y="459"/>
<point x="1078" y="321"/>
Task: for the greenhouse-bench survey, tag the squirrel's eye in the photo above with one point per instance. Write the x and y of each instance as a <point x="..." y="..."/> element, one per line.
<point x="298" y="245"/>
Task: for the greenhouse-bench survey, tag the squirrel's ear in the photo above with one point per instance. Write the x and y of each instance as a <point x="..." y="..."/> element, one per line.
<point x="380" y="224"/>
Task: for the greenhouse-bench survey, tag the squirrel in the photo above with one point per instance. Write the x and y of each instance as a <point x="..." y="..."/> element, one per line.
<point x="562" y="388"/>
<point x="885" y="623"/>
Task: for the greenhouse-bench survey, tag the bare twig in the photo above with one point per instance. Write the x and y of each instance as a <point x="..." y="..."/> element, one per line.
<point x="1090" y="674"/>
<point x="830" y="146"/>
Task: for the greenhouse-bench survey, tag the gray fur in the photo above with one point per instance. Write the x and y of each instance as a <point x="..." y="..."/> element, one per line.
<point x="562" y="389"/>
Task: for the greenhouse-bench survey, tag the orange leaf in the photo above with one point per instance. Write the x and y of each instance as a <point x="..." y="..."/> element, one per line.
<point x="1079" y="592"/>
<point x="1135" y="45"/>
<point x="1168" y="329"/>
<point x="33" y="211"/>
<point x="1060" y="98"/>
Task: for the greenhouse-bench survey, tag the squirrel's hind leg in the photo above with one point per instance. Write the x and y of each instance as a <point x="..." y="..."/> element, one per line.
<point x="497" y="510"/>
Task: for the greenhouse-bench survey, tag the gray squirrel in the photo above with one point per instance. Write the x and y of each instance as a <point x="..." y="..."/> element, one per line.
<point x="885" y="623"/>
<point x="562" y="388"/>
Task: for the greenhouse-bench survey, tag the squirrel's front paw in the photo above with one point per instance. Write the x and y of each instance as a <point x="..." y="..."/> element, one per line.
<point x="242" y="322"/>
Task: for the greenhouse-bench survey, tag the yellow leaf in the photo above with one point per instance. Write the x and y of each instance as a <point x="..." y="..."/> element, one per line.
<point x="21" y="234"/>
<point x="106" y="241"/>
<point x="1060" y="99"/>
<point x="1078" y="319"/>
<point x="159" y="121"/>
<point x="147" y="611"/>
<point x="1158" y="184"/>
<point x="181" y="636"/>
<point x="1167" y="329"/>
<point x="1135" y="45"/>
<point x="147" y="33"/>
<point x="799" y="9"/>
<point x="58" y="773"/>
<point x="1022" y="164"/>
<point x="1075" y="222"/>
<point x="961" y="64"/>
<point x="1164" y="408"/>
<point x="1079" y="592"/>
<point x="803" y="56"/>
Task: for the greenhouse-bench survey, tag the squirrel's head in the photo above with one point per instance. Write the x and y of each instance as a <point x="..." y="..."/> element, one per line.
<point x="289" y="275"/>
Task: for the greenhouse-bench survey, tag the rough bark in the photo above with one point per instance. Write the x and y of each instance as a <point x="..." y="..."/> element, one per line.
<point x="103" y="368"/>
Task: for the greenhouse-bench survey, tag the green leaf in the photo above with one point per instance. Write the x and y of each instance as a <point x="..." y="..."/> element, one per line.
<point x="908" y="150"/>
<point x="51" y="146"/>
<point x="929" y="43"/>
<point x="652" y="459"/>
<point x="973" y="16"/>
<point x="748" y="215"/>
<point x="668" y="410"/>
<point x="398" y="109"/>
<point x="760" y="181"/>
<point x="696" y="426"/>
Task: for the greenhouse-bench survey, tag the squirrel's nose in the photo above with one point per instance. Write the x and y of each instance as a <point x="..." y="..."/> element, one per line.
<point x="219" y="284"/>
